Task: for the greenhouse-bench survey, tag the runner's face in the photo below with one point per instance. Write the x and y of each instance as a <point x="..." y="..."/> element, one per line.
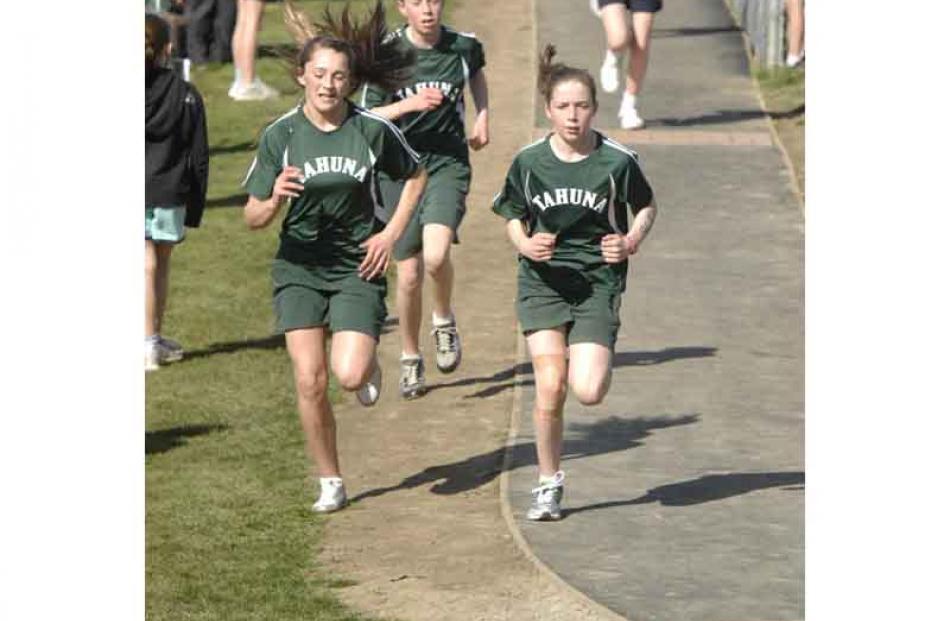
<point x="423" y="16"/>
<point x="571" y="110"/>
<point x="325" y="79"/>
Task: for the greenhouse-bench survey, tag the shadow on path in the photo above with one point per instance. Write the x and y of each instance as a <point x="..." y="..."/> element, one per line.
<point x="729" y="116"/>
<point x="164" y="440"/>
<point x="663" y="33"/>
<point x="705" y="489"/>
<point x="581" y="440"/>
<point x="519" y="374"/>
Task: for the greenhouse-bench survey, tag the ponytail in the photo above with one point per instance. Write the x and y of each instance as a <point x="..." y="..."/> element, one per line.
<point x="550" y="74"/>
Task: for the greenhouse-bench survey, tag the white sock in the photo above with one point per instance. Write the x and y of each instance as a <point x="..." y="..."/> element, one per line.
<point x="407" y="357"/>
<point x="331" y="480"/>
<point x="628" y="100"/>
<point x="438" y="322"/>
<point x="610" y="58"/>
<point x="550" y="479"/>
<point x="154" y="339"/>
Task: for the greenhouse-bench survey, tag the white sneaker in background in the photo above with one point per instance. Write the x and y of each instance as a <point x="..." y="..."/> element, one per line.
<point x="255" y="91"/>
<point x="610" y="73"/>
<point x="630" y="119"/>
<point x="332" y="495"/>
<point x="595" y="8"/>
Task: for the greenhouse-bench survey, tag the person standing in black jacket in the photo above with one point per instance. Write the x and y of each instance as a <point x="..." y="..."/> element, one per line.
<point x="176" y="179"/>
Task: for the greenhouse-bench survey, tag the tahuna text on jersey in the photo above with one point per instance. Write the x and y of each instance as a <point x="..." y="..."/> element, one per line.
<point x="333" y="164"/>
<point x="578" y="197"/>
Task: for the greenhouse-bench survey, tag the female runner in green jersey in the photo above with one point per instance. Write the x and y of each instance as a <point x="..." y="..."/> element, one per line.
<point x="321" y="159"/>
<point x="430" y="111"/>
<point x="565" y="199"/>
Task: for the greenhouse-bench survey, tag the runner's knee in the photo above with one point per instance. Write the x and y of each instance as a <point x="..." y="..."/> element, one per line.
<point x="435" y="259"/>
<point x="409" y="276"/>
<point x="311" y="383"/>
<point x="551" y="381"/>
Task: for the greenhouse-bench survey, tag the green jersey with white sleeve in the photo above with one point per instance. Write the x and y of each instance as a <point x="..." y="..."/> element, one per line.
<point x="446" y="66"/>
<point x="580" y="202"/>
<point x="339" y="207"/>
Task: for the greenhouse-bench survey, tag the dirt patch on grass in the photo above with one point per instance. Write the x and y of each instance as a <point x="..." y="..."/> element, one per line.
<point x="425" y="537"/>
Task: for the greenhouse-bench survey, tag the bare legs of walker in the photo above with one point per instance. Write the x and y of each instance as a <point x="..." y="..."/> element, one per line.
<point x="158" y="350"/>
<point x="588" y="374"/>
<point x="635" y="42"/>
<point x="434" y="260"/>
<point x="353" y="361"/>
<point x="795" y="32"/>
<point x="247" y="86"/>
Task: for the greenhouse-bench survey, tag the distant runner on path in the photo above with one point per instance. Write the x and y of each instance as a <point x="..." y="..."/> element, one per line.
<point x="321" y="159"/>
<point x="431" y="112"/>
<point x="621" y="38"/>
<point x="565" y="200"/>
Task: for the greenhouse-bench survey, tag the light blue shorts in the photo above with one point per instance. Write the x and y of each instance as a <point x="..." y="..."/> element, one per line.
<point x="165" y="225"/>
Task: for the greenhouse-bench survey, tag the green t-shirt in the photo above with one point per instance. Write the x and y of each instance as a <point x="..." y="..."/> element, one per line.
<point x="339" y="207"/>
<point x="447" y="66"/>
<point x="580" y="202"/>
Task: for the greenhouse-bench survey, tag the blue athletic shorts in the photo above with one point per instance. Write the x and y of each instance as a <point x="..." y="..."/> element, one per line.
<point x="165" y="225"/>
<point x="636" y="6"/>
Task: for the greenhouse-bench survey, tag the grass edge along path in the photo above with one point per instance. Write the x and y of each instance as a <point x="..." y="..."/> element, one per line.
<point x="229" y="534"/>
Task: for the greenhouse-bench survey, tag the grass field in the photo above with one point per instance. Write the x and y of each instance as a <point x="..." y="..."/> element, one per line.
<point x="229" y="534"/>
<point x="784" y="92"/>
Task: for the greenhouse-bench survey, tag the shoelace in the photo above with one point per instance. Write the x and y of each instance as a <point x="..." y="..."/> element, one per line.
<point x="546" y="491"/>
<point x="411" y="372"/>
<point x="445" y="338"/>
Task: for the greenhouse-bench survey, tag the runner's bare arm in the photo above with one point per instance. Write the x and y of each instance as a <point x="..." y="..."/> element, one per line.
<point x="538" y="247"/>
<point x="379" y="247"/>
<point x="259" y="213"/>
<point x="642" y="224"/>
<point x="425" y="99"/>
<point x="479" y="87"/>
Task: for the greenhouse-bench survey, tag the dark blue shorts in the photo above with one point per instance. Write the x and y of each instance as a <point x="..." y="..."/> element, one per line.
<point x="636" y="6"/>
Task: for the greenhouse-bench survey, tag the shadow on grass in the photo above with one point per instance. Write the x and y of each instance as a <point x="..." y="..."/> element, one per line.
<point x="520" y="374"/>
<point x="234" y="200"/>
<point x="232" y="148"/>
<point x="581" y="440"/>
<point x="164" y="440"/>
<point x="708" y="488"/>
<point x="275" y="341"/>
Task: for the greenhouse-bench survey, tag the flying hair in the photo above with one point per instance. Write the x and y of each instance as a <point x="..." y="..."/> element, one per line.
<point x="372" y="57"/>
<point x="550" y="74"/>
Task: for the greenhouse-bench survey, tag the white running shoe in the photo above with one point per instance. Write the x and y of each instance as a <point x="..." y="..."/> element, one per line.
<point x="610" y="73"/>
<point x="332" y="495"/>
<point x="595" y="8"/>
<point x="448" y="347"/>
<point x="162" y="352"/>
<point x="255" y="91"/>
<point x="412" y="377"/>
<point x="547" y="499"/>
<point x="368" y="393"/>
<point x="629" y="119"/>
<point x="151" y="357"/>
